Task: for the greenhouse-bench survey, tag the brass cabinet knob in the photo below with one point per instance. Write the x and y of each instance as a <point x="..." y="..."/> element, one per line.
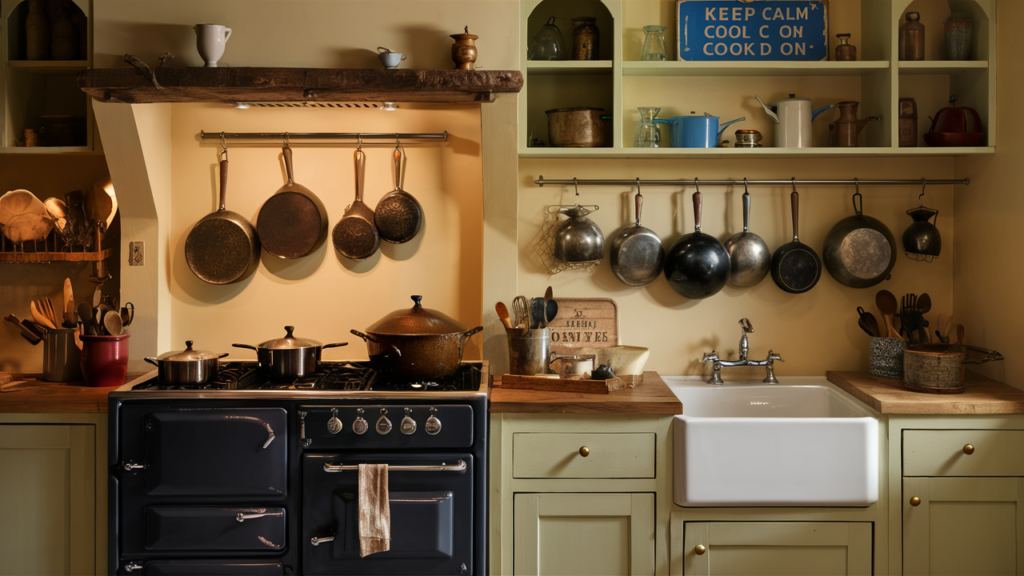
<point x="699" y="550"/>
<point x="915" y="501"/>
<point x="584" y="451"/>
<point x="968" y="449"/>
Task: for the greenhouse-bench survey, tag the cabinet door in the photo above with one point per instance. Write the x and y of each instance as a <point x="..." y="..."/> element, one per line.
<point x="584" y="534"/>
<point x="47" y="499"/>
<point x="963" y="526"/>
<point x="777" y="548"/>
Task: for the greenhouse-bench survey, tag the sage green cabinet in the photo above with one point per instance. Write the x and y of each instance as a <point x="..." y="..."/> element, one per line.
<point x="776" y="548"/>
<point x="47" y="499"/>
<point x="963" y="526"/>
<point x="584" y="534"/>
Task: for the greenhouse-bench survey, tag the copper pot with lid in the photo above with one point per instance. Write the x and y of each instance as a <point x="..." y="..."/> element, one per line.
<point x="187" y="366"/>
<point x="289" y="356"/>
<point x="417" y="343"/>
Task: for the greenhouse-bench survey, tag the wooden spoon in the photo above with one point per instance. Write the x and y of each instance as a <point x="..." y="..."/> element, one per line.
<point x="68" y="306"/>
<point x="924" y="303"/>
<point x="503" y="315"/>
<point x="39" y="317"/>
<point x="872" y="324"/>
<point x="887" y="305"/>
<point x="112" y="322"/>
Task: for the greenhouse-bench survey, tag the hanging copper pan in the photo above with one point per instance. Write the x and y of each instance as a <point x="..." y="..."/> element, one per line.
<point x="293" y="222"/>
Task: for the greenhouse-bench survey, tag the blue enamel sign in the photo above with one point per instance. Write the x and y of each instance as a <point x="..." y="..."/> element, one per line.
<point x="758" y="30"/>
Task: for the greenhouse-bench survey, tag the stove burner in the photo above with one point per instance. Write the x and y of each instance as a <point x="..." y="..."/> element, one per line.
<point x="330" y="376"/>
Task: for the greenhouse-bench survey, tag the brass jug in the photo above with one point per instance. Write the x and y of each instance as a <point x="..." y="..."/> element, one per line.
<point x="848" y="127"/>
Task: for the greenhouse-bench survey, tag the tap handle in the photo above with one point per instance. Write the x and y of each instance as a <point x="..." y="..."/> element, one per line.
<point x="712" y="357"/>
<point x="746" y="326"/>
<point x="772" y="356"/>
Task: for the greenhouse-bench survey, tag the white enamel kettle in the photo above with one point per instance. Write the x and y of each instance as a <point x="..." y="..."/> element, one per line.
<point x="794" y="117"/>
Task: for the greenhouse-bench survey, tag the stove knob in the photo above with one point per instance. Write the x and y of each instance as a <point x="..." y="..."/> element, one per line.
<point x="383" y="424"/>
<point x="408" y="424"/>
<point x="359" y="425"/>
<point x="433" y="425"/>
<point x="334" y="425"/>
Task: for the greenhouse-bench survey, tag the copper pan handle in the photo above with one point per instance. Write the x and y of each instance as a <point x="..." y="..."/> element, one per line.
<point x="365" y="337"/>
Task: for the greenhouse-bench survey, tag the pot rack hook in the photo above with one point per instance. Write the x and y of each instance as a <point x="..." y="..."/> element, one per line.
<point x="792" y="181"/>
<point x="224" y="146"/>
<point x="359" y="141"/>
<point x="856" y="195"/>
<point x="924" y="184"/>
<point x="286" y="145"/>
<point x="638" y="186"/>
<point x="576" y="185"/>
<point x="696" y="184"/>
<point x="745" y="191"/>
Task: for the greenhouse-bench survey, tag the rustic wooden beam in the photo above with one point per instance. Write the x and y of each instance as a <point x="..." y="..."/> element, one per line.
<point x="128" y="85"/>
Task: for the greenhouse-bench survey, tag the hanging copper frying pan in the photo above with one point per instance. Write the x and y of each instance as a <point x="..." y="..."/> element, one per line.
<point x="223" y="247"/>
<point x="293" y="222"/>
<point x="398" y="215"/>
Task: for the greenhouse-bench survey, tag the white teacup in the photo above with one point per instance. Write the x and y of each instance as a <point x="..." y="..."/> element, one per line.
<point x="390" y="59"/>
<point x="210" y="39"/>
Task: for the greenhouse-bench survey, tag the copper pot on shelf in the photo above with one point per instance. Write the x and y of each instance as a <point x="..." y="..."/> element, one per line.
<point x="848" y="127"/>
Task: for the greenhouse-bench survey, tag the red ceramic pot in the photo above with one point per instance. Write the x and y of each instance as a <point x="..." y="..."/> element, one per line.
<point x="105" y="360"/>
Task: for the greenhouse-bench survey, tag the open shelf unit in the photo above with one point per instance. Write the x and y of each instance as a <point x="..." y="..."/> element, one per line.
<point x="878" y="79"/>
<point x="36" y="93"/>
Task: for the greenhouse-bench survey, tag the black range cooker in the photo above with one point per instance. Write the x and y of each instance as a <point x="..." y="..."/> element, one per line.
<point x="249" y="475"/>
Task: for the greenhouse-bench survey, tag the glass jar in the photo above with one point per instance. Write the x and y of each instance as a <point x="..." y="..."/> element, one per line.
<point x="585" y="39"/>
<point x="654" y="44"/>
<point x="548" y="44"/>
<point x="958" y="30"/>
<point x="648" y="134"/>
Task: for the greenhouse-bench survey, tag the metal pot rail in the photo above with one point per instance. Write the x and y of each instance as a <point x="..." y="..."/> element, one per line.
<point x="541" y="181"/>
<point x="458" y="467"/>
<point x="359" y="138"/>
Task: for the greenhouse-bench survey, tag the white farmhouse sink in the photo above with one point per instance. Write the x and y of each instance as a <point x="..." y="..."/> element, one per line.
<point x="800" y="443"/>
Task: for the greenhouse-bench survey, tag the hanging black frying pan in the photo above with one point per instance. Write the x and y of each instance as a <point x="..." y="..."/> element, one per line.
<point x="293" y="222"/>
<point x="355" y="236"/>
<point x="223" y="247"/>
<point x="796" y="267"/>
<point x="859" y="250"/>
<point x="398" y="215"/>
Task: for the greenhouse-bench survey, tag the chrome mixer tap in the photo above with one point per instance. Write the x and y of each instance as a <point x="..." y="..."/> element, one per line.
<point x="718" y="363"/>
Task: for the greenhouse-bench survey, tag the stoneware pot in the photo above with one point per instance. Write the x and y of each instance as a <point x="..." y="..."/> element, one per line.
<point x="105" y="360"/>
<point x="885" y="357"/>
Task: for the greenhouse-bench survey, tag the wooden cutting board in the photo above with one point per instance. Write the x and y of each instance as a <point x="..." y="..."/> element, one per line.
<point x="584" y="322"/>
<point x="560" y="385"/>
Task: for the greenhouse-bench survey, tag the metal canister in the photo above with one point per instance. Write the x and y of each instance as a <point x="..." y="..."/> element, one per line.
<point x="912" y="38"/>
<point x="908" y="123"/>
<point x="528" y="351"/>
<point x="585" y="39"/>
<point x="62" y="360"/>
<point x="748" y="139"/>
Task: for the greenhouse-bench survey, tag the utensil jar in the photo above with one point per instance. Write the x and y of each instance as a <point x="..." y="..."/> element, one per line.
<point x="885" y="357"/>
<point x="528" y="351"/>
<point x="62" y="360"/>
<point x="104" y="360"/>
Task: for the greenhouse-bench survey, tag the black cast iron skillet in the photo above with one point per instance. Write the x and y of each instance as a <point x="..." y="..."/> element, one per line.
<point x="697" y="265"/>
<point x="293" y="222"/>
<point x="223" y="247"/>
<point x="796" y="268"/>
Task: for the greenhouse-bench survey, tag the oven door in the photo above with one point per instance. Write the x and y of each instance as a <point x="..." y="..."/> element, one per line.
<point x="431" y="514"/>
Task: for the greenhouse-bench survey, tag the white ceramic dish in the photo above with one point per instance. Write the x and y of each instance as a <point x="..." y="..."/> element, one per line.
<point x="623" y="360"/>
<point x="800" y="443"/>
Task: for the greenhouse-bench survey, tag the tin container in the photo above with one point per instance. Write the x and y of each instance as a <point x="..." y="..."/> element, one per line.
<point x="912" y="38"/>
<point x="958" y="30"/>
<point x="908" y="123"/>
<point x="845" y="52"/>
<point x="528" y="351"/>
<point x="585" y="39"/>
<point x="62" y="360"/>
<point x="748" y="139"/>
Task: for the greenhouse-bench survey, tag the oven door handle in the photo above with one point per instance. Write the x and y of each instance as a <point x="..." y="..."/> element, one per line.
<point x="458" y="467"/>
<point x="243" y="516"/>
<point x="318" y="541"/>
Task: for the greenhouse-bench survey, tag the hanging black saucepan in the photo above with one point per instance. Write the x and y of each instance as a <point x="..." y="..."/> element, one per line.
<point x="697" y="265"/>
<point x="859" y="251"/>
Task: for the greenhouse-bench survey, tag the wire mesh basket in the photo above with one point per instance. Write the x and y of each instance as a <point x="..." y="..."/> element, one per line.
<point x="543" y="246"/>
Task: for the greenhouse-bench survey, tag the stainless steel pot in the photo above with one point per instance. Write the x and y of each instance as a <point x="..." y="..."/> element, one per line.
<point x="187" y="366"/>
<point x="417" y="343"/>
<point x="289" y="356"/>
<point x="578" y="239"/>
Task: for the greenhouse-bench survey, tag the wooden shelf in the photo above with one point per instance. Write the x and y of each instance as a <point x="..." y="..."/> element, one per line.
<point x="683" y="153"/>
<point x="42" y="257"/>
<point x="941" y="66"/>
<point x="569" y="67"/>
<point x="48" y="150"/>
<point x="231" y="85"/>
<point x="678" y="68"/>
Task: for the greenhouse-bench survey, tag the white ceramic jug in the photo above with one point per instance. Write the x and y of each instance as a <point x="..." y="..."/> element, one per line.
<point x="793" y="117"/>
<point x="211" y="40"/>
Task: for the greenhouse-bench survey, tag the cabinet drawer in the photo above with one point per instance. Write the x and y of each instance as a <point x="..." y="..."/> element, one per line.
<point x="561" y="455"/>
<point x="945" y="453"/>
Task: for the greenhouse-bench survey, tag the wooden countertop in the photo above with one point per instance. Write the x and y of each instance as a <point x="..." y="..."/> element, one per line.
<point x="888" y="396"/>
<point x="36" y="395"/>
<point x="652" y="396"/>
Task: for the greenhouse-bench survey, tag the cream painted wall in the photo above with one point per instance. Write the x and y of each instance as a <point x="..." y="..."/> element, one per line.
<point x="987" y="275"/>
<point x="325" y="295"/>
<point x="45" y="176"/>
<point x="814" y="332"/>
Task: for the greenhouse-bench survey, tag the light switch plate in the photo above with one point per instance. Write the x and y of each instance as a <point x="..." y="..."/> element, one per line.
<point x="136" y="253"/>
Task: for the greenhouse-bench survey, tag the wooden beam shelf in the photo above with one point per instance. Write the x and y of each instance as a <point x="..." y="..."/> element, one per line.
<point x="230" y="85"/>
<point x="42" y="257"/>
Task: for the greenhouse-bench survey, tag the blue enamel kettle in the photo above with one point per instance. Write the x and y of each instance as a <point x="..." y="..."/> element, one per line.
<point x="696" y="131"/>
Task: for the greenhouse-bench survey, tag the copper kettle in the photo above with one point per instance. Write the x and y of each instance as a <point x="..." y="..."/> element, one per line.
<point x="847" y="128"/>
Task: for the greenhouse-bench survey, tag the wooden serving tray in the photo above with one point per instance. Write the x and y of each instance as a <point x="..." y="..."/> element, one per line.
<point x="560" y="384"/>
